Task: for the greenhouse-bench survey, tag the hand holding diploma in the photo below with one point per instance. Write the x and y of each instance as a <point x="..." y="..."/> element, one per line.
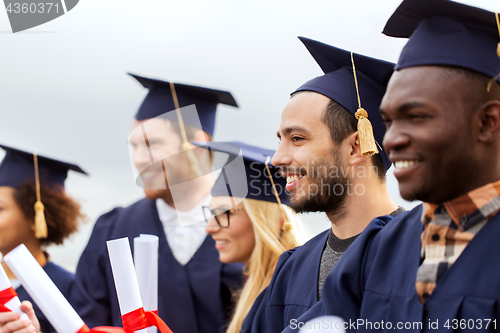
<point x="50" y="300"/>
<point x="44" y="292"/>
<point x="13" y="314"/>
<point x="8" y="296"/>
<point x="13" y="322"/>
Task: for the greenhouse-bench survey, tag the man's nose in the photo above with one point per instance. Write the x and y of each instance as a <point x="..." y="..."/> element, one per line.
<point x="141" y="157"/>
<point x="282" y="157"/>
<point x="395" y="138"/>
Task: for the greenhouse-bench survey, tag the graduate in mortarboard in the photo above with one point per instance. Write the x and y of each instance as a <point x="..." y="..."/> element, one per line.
<point x="434" y="269"/>
<point x="194" y="287"/>
<point x="328" y="152"/>
<point x="36" y="211"/>
<point x="249" y="219"/>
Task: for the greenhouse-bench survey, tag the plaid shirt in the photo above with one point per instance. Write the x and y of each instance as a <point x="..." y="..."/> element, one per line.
<point x="448" y="228"/>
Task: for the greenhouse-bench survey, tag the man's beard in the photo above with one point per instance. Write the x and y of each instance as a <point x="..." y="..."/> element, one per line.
<point x="323" y="192"/>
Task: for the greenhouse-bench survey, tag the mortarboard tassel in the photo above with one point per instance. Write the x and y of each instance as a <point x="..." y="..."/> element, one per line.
<point x="286" y="224"/>
<point x="186" y="145"/>
<point x="365" y="129"/>
<point x="40" y="223"/>
<point x="498" y="54"/>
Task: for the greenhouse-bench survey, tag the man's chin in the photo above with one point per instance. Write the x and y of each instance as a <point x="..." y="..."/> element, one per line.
<point x="153" y="194"/>
<point x="410" y="192"/>
<point x="303" y="205"/>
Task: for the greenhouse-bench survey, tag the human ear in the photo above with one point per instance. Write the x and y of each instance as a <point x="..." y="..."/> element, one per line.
<point x="352" y="143"/>
<point x="199" y="136"/>
<point x="489" y="122"/>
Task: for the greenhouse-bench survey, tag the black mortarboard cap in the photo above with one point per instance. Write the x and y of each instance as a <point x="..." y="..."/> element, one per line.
<point x="338" y="83"/>
<point x="251" y="181"/>
<point x="18" y="167"/>
<point x="443" y="32"/>
<point x="159" y="102"/>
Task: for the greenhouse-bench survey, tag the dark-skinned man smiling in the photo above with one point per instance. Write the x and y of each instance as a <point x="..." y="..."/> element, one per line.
<point x="436" y="268"/>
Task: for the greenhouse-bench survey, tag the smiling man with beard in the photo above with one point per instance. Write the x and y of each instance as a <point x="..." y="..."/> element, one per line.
<point x="322" y="154"/>
<point x="434" y="269"/>
<point x="193" y="285"/>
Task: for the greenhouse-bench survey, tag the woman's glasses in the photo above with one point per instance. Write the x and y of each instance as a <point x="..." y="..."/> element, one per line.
<point x="221" y="215"/>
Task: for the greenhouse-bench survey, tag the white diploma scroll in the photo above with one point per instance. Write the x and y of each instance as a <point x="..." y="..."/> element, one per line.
<point x="146" y="269"/>
<point x="127" y="288"/>
<point x="44" y="292"/>
<point x="14" y="304"/>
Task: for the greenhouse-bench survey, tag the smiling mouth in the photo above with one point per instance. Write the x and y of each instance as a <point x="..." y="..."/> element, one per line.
<point x="221" y="242"/>
<point x="291" y="179"/>
<point x="405" y="164"/>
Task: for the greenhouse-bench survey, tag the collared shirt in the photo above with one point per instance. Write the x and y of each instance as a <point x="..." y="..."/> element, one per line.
<point x="448" y="229"/>
<point x="185" y="230"/>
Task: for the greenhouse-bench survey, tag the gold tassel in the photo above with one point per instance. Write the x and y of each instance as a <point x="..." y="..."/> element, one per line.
<point x="365" y="130"/>
<point x="287" y="226"/>
<point x="194" y="167"/>
<point x="40" y="223"/>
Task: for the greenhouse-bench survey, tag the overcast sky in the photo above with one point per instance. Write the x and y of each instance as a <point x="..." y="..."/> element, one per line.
<point x="64" y="91"/>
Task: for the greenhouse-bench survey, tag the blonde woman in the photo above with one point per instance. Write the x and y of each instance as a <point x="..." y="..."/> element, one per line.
<point x="249" y="221"/>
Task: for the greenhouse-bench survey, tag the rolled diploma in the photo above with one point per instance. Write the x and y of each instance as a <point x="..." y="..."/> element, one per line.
<point x="127" y="288"/>
<point x="43" y="291"/>
<point x="146" y="269"/>
<point x="14" y="304"/>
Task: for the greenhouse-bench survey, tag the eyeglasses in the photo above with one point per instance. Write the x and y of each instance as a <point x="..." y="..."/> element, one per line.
<point x="221" y="215"/>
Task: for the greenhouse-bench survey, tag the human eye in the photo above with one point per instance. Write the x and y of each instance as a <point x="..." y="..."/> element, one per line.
<point x="220" y="210"/>
<point x="417" y="116"/>
<point x="153" y="142"/>
<point x="387" y="122"/>
<point x="297" y="138"/>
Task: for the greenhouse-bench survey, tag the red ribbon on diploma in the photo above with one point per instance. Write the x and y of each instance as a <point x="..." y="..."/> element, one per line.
<point x="7" y="294"/>
<point x="139" y="319"/>
<point x="3" y="308"/>
<point x="103" y="329"/>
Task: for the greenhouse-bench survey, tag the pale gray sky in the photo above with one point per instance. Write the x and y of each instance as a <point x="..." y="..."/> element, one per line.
<point x="64" y="91"/>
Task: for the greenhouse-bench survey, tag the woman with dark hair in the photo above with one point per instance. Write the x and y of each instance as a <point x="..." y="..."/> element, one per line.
<point x="35" y="211"/>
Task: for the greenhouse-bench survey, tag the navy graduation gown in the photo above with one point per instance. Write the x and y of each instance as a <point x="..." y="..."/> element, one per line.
<point x="293" y="288"/>
<point x="64" y="281"/>
<point x="191" y="298"/>
<point x="377" y="282"/>
<point x="358" y="245"/>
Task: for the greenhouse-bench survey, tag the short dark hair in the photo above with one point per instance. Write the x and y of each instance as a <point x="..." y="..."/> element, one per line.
<point x="62" y="213"/>
<point x="342" y="123"/>
<point x="476" y="86"/>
